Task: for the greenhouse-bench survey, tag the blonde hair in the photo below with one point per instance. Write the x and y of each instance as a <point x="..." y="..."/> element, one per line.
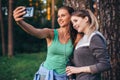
<point x="94" y="23"/>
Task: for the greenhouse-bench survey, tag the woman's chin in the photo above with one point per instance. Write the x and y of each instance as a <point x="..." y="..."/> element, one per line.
<point x="79" y="31"/>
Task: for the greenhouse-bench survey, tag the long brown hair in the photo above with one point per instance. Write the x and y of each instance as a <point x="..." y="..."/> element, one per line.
<point x="73" y="32"/>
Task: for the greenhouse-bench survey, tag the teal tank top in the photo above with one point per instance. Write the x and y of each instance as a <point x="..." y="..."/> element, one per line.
<point x="58" y="54"/>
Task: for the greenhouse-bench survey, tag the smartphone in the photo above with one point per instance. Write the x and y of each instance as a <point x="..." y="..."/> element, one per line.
<point x="29" y="12"/>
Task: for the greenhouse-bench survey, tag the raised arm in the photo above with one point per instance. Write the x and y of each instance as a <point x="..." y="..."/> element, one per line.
<point x="39" y="33"/>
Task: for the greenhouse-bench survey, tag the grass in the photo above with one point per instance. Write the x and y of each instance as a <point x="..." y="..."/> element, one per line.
<point x="21" y="66"/>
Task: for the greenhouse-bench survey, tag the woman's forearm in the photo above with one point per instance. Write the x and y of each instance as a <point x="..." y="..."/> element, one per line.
<point x="85" y="69"/>
<point x="27" y="27"/>
<point x="76" y="70"/>
<point x="31" y="30"/>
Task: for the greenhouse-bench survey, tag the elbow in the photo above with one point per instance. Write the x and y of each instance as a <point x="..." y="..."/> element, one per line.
<point x="100" y="68"/>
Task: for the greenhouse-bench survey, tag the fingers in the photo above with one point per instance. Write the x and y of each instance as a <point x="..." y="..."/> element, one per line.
<point x="18" y="8"/>
<point x="18" y="13"/>
<point x="68" y="71"/>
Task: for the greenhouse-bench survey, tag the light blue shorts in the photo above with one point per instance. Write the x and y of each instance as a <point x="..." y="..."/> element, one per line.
<point x="45" y="74"/>
<point x="59" y="76"/>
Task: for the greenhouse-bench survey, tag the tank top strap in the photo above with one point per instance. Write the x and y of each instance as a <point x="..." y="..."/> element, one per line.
<point x="55" y="34"/>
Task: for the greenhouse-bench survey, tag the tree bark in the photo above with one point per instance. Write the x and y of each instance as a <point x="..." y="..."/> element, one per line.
<point x="110" y="26"/>
<point x="77" y="4"/>
<point x="10" y="30"/>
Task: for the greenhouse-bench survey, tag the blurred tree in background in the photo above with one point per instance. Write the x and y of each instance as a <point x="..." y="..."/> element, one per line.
<point x="2" y="49"/>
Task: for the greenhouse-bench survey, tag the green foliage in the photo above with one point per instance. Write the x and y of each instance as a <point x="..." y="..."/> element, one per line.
<point x="21" y="66"/>
<point x="59" y="3"/>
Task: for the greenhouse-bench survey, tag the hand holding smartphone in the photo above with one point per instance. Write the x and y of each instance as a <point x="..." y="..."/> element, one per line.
<point x="29" y="12"/>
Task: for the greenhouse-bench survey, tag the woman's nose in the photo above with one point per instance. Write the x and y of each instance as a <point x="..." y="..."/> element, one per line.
<point x="60" y="18"/>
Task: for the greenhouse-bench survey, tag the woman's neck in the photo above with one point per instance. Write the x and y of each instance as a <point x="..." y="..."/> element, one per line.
<point x="65" y="30"/>
<point x="64" y="35"/>
<point x="86" y="30"/>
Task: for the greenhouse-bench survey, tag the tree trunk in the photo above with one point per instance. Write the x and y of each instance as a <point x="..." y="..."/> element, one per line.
<point x="53" y="13"/>
<point x="10" y="30"/>
<point x="109" y="13"/>
<point x="2" y="30"/>
<point x="77" y="4"/>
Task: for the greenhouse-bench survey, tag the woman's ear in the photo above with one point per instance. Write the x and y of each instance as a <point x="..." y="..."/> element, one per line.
<point x="86" y="19"/>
